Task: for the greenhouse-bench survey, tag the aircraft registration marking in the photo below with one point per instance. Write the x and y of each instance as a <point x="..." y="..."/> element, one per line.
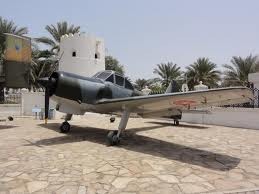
<point x="184" y="102"/>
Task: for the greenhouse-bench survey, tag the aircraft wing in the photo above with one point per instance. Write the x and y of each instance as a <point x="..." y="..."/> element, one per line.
<point x="180" y="100"/>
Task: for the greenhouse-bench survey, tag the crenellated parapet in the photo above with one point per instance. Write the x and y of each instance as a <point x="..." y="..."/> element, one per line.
<point x="82" y="54"/>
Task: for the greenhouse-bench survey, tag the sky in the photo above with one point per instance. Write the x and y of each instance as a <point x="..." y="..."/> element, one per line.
<point x="144" y="33"/>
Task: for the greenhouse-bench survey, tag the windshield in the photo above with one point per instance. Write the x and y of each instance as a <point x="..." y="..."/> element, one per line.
<point x="103" y="75"/>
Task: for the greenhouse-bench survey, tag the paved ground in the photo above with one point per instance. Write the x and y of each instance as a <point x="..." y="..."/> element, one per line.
<point x="154" y="157"/>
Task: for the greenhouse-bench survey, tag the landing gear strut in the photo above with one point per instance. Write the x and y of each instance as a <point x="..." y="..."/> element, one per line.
<point x="177" y="117"/>
<point x="65" y="126"/>
<point x="113" y="137"/>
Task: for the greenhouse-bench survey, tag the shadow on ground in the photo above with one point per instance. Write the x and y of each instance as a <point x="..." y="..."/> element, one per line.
<point x="146" y="145"/>
<point x="179" y="126"/>
<point x="7" y="126"/>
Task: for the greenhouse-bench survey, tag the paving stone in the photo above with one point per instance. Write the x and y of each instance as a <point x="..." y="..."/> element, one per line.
<point x="235" y="176"/>
<point x="82" y="190"/>
<point x="10" y="163"/>
<point x="106" y="167"/>
<point x="6" y="179"/>
<point x="192" y="178"/>
<point x="186" y="159"/>
<point x="168" y="178"/>
<point x="121" y="182"/>
<point x="19" y="190"/>
<point x="67" y="190"/>
<point x="13" y="174"/>
<point x="88" y="170"/>
<point x="192" y="188"/>
<point x="36" y="186"/>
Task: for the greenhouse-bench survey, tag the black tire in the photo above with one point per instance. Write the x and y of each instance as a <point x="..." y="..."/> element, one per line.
<point x="112" y="119"/>
<point x="10" y="118"/>
<point x="177" y="123"/>
<point x="112" y="138"/>
<point x="65" y="127"/>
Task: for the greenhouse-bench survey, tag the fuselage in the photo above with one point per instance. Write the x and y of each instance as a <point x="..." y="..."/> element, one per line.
<point x="76" y="94"/>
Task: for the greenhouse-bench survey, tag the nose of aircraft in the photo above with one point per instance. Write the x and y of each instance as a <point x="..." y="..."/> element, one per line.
<point x="48" y="82"/>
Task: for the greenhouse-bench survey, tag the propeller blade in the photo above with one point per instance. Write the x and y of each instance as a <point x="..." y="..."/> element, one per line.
<point x="48" y="84"/>
<point x="46" y="104"/>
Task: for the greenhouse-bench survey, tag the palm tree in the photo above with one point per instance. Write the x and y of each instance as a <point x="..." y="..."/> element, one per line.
<point x="141" y="83"/>
<point x="56" y="32"/>
<point x="237" y="73"/>
<point x="10" y="27"/>
<point x="42" y="65"/>
<point x="167" y="72"/>
<point x="202" y="70"/>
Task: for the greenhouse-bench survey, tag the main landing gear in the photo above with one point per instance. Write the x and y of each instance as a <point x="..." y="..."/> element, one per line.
<point x="113" y="137"/>
<point x="65" y="126"/>
<point x="176" y="122"/>
<point x="177" y="117"/>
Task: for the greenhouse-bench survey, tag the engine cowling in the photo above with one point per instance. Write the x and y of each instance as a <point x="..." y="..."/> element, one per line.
<point x="77" y="88"/>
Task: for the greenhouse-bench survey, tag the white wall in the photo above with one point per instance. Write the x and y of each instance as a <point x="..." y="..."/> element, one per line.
<point x="232" y="117"/>
<point x="85" y="46"/>
<point x="10" y="110"/>
<point x="34" y="99"/>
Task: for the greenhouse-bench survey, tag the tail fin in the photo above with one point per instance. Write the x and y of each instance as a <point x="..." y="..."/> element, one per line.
<point x="173" y="87"/>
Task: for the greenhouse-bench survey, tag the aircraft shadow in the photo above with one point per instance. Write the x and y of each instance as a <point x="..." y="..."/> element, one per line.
<point x="179" y="126"/>
<point x="7" y="126"/>
<point x="144" y="144"/>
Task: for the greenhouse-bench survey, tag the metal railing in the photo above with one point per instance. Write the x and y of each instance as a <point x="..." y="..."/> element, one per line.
<point x="12" y="99"/>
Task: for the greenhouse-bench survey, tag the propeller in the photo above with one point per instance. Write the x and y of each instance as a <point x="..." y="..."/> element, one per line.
<point x="46" y="104"/>
<point x="48" y="83"/>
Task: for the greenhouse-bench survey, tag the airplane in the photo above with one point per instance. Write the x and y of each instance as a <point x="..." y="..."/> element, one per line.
<point x="108" y="92"/>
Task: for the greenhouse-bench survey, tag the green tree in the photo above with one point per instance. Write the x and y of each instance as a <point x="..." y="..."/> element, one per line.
<point x="113" y="64"/>
<point x="141" y="83"/>
<point x="167" y="72"/>
<point x="45" y="61"/>
<point x="237" y="72"/>
<point x="42" y="65"/>
<point x="10" y="27"/>
<point x="56" y="32"/>
<point x="202" y="70"/>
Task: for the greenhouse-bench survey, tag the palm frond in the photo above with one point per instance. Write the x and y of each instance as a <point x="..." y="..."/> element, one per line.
<point x="46" y="41"/>
<point x="237" y="72"/>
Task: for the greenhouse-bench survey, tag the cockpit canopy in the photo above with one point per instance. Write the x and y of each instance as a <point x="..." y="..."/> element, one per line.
<point x="114" y="77"/>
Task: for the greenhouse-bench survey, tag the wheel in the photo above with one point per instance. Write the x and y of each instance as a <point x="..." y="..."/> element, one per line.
<point x="65" y="127"/>
<point x="112" y="119"/>
<point x="112" y="138"/>
<point x="177" y="123"/>
<point x="10" y="118"/>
